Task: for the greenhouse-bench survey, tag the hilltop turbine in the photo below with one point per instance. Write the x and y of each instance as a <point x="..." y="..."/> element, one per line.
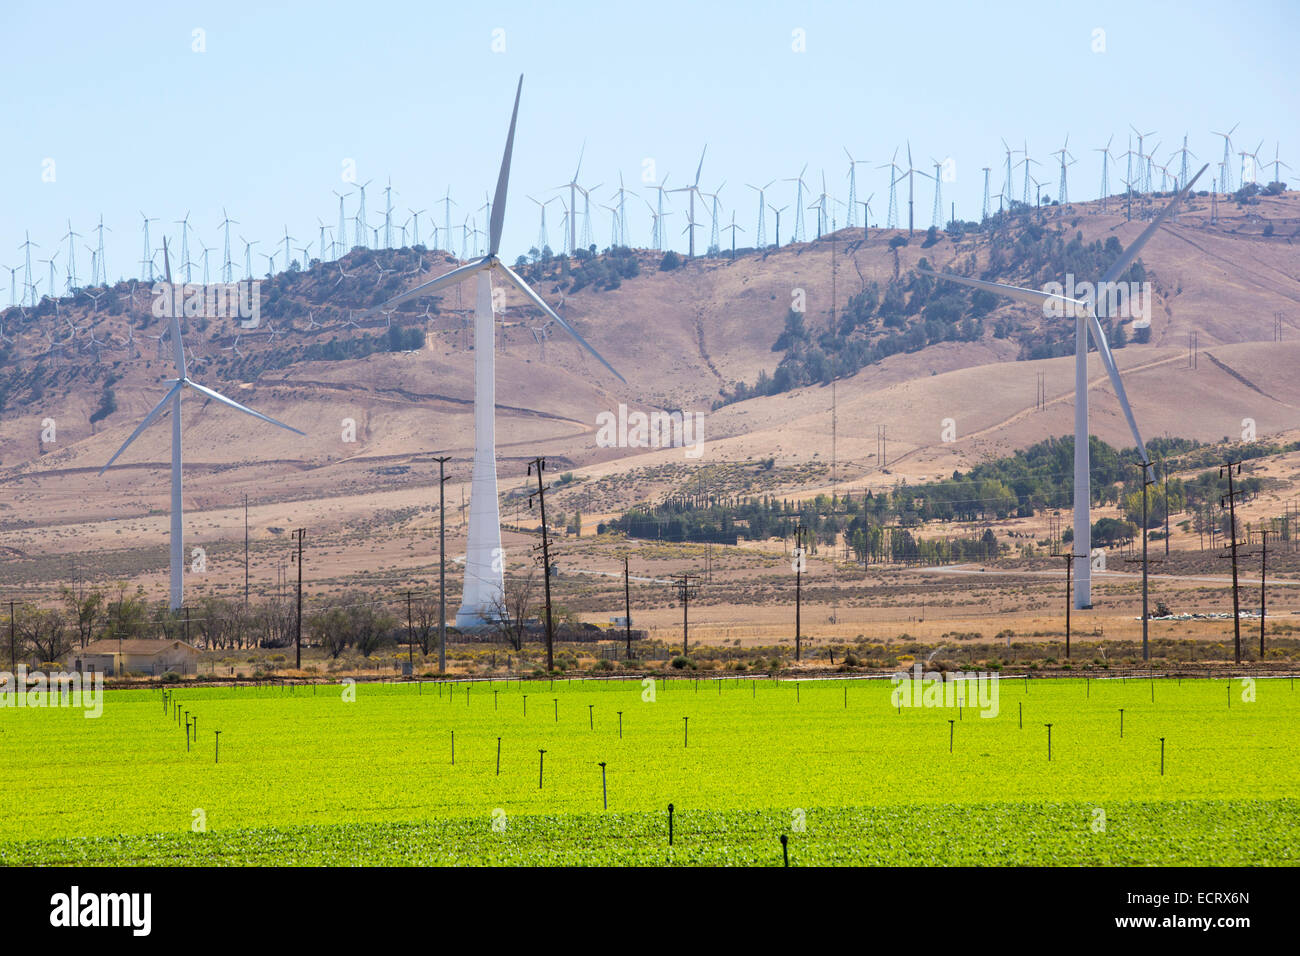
<point x="484" y="587"/>
<point x="173" y="399"/>
<point x="1086" y="320"/>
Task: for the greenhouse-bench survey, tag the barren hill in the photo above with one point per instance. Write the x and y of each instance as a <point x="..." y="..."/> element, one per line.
<point x="679" y="337"/>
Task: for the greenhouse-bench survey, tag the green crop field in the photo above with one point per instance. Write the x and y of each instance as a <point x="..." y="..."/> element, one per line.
<point x="308" y="776"/>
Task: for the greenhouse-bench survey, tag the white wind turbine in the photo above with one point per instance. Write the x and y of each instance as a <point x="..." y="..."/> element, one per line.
<point x="484" y="591"/>
<point x="1086" y="321"/>
<point x="173" y="399"/>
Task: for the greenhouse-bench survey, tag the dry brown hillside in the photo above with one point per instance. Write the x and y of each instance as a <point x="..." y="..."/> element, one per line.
<point x="678" y="337"/>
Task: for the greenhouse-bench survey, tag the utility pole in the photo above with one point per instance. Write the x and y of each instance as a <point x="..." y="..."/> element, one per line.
<point x="686" y="584"/>
<point x="627" y="608"/>
<point x="539" y="465"/>
<point x="1069" y="558"/>
<point x="12" y="643"/>
<point x="245" y="552"/>
<point x="799" y="561"/>
<point x="410" y="633"/>
<point x="442" y="564"/>
<point x="1263" y="571"/>
<point x="1231" y="505"/>
<point x="299" y="533"/>
<point x="1147" y="481"/>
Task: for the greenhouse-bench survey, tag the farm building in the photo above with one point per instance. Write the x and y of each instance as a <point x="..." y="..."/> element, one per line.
<point x="137" y="657"/>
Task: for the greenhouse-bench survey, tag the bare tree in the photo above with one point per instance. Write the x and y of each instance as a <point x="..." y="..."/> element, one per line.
<point x="424" y="619"/>
<point x="85" y="610"/>
<point x="514" y="606"/>
<point x="46" y="631"/>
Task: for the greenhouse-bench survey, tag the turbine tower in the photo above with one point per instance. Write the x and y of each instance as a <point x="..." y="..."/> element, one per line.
<point x="891" y="217"/>
<point x="659" y="215"/>
<point x="72" y="237"/>
<point x="146" y="259"/>
<point x="173" y="400"/>
<point x="936" y="215"/>
<point x="101" y="270"/>
<point x="799" y="186"/>
<point x="760" y="233"/>
<point x="484" y="590"/>
<point x="853" y="186"/>
<point x="228" y="267"/>
<point x="1086" y="321"/>
<point x="1063" y="188"/>
<point x="360" y="222"/>
<point x="1006" y="187"/>
<point x="984" y="209"/>
<point x="1105" y="170"/>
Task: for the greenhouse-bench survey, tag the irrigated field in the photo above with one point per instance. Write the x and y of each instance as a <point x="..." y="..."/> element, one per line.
<point x="306" y="776"/>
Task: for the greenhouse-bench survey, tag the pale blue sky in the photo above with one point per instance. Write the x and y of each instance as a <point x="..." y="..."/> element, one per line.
<point x="262" y="121"/>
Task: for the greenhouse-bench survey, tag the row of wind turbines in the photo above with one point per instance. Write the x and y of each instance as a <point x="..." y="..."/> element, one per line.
<point x="1146" y="171"/>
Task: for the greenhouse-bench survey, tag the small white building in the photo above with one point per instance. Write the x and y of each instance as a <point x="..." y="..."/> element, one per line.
<point x="153" y="657"/>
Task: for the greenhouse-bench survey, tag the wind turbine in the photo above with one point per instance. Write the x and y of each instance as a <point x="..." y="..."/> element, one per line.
<point x="1276" y="164"/>
<point x="1025" y="163"/>
<point x="1226" y="184"/>
<point x="361" y="224"/>
<point x="692" y="191"/>
<point x="484" y="590"/>
<point x="543" y="240"/>
<point x="621" y="196"/>
<point x="659" y="215"/>
<point x="1253" y="168"/>
<point x="1105" y="170"/>
<point x="853" y="186"/>
<point x="820" y="205"/>
<point x="1007" y="189"/>
<point x="1063" y="189"/>
<point x="910" y="173"/>
<point x="72" y="256"/>
<point x="799" y="187"/>
<point x="573" y="187"/>
<point x="777" y="212"/>
<point x="866" y="214"/>
<point x="1087" y="321"/>
<point x="1143" y="179"/>
<point x="173" y="399"/>
<point x="715" y="237"/>
<point x="227" y="268"/>
<point x="732" y="229"/>
<point x="760" y="232"/>
<point x="184" y="223"/>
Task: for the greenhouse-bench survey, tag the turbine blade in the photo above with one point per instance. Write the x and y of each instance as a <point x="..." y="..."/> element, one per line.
<point x="217" y="396"/>
<point x="1032" y="296"/>
<point x="433" y="285"/>
<point x="537" y="300"/>
<point x="148" y="420"/>
<point x="1128" y="255"/>
<point x="1108" y="360"/>
<point x="503" y="180"/>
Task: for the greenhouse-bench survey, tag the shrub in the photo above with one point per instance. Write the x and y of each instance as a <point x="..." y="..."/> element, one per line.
<point x="681" y="663"/>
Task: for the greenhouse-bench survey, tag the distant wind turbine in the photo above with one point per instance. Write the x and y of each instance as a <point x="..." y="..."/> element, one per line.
<point x="173" y="399"/>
